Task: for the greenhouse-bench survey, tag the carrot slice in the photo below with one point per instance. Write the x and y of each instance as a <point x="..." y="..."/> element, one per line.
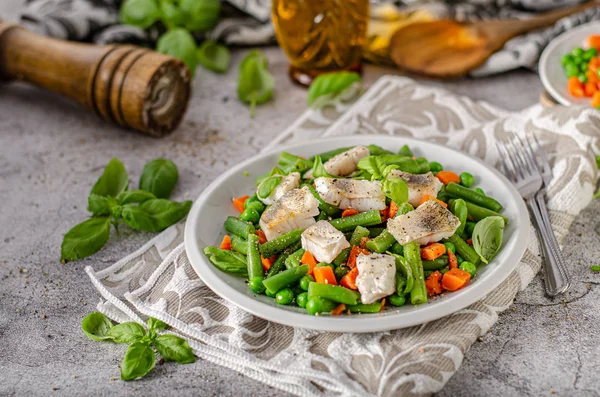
<point x="384" y="214"/>
<point x="594" y="41"/>
<point x="596" y="99"/>
<point x="393" y="210"/>
<point x="452" y="261"/>
<point x="262" y="237"/>
<point x="338" y="310"/>
<point x="363" y="242"/>
<point x="448" y="176"/>
<point x="575" y="87"/>
<point x="428" y="197"/>
<point x="324" y="275"/>
<point x="267" y="262"/>
<point x="433" y="284"/>
<point x="349" y="212"/>
<point x="226" y="243"/>
<point x="354" y="252"/>
<point x="590" y="88"/>
<point x="433" y="251"/>
<point x="238" y="203"/>
<point x="349" y="280"/>
<point x="455" y="279"/>
<point x="470" y="242"/>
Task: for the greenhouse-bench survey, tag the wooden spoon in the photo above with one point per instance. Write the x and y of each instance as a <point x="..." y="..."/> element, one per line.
<point x="447" y="48"/>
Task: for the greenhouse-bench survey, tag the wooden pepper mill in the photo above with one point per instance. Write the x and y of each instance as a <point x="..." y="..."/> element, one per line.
<point x="131" y="86"/>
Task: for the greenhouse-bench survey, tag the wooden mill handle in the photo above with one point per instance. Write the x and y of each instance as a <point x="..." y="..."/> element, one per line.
<point x="128" y="85"/>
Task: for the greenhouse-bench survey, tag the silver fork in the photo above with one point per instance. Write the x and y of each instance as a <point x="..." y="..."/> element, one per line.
<point x="519" y="166"/>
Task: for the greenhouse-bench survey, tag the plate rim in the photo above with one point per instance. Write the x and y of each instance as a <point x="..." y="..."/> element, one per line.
<point x="550" y="48"/>
<point x="453" y="303"/>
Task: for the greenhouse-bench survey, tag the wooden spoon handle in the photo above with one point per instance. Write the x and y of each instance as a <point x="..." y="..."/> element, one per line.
<point x="128" y="85"/>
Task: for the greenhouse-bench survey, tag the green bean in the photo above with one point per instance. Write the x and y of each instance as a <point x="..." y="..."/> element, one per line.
<point x="255" y="268"/>
<point x="369" y="218"/>
<point x="332" y="153"/>
<point x="330" y="210"/>
<point x="381" y="243"/>
<point x="358" y="235"/>
<point x="397" y="249"/>
<point x="255" y="203"/>
<point x="436" y="264"/>
<point x="294" y="259"/>
<point x="403" y="268"/>
<point x="412" y="253"/>
<point x="286" y="158"/>
<point x="227" y="261"/>
<point x="342" y="257"/>
<point x="482" y="200"/>
<point x="423" y="165"/>
<point x="239" y="227"/>
<point x="240" y="245"/>
<point x="285" y="278"/>
<point x="374" y="307"/>
<point x="322" y="264"/>
<point x="405" y="151"/>
<point x="340" y="272"/>
<point x="477" y="213"/>
<point x="322" y="216"/>
<point x="320" y="305"/>
<point x="464" y="249"/>
<point x="400" y="283"/>
<point x="459" y="209"/>
<point x="250" y="215"/>
<point x="278" y="265"/>
<point x="334" y="293"/>
<point x="375" y="231"/>
<point x="280" y="243"/>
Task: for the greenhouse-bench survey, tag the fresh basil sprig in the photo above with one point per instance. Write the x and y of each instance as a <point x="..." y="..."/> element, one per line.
<point x="396" y="190"/>
<point x="214" y="56"/>
<point x="140" y="13"/>
<point x="140" y="355"/>
<point x="318" y="169"/>
<point x="328" y="85"/>
<point x="111" y="203"/>
<point x="255" y="83"/>
<point x="487" y="237"/>
<point x="180" y="44"/>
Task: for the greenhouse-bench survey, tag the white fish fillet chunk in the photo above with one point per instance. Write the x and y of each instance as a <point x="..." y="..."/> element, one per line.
<point x="294" y="210"/>
<point x="324" y="241"/>
<point x="288" y="183"/>
<point x="360" y="195"/>
<point x="344" y="163"/>
<point x="428" y="223"/>
<point x="418" y="185"/>
<point x="376" y="276"/>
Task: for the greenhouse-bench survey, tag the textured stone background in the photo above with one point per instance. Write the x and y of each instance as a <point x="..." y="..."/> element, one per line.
<point x="51" y="152"/>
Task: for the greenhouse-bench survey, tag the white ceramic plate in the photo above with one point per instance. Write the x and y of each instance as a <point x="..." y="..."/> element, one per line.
<point x="551" y="70"/>
<point x="205" y="227"/>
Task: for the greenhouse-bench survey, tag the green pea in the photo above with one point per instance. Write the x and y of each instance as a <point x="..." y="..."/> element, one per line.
<point x="435" y="167"/>
<point x="577" y="52"/>
<point x="302" y="299"/>
<point x="256" y="285"/>
<point x="340" y="272"/>
<point x="480" y="190"/>
<point x="251" y="200"/>
<point x="466" y="179"/>
<point x="315" y="305"/>
<point x="250" y="215"/>
<point x="270" y="295"/>
<point x="469" y="268"/>
<point x="469" y="228"/>
<point x="450" y="247"/>
<point x="445" y="270"/>
<point x="258" y="206"/>
<point x="459" y="259"/>
<point x="397" y="300"/>
<point x="577" y="60"/>
<point x="582" y="77"/>
<point x="284" y="296"/>
<point x="566" y="59"/>
<point x="592" y="51"/>
<point x="305" y="280"/>
<point x="571" y="70"/>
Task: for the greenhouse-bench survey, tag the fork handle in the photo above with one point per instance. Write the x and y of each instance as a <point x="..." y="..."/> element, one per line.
<point x="557" y="280"/>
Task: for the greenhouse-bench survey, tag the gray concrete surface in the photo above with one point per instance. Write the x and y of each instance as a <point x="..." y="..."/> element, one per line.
<point x="50" y="154"/>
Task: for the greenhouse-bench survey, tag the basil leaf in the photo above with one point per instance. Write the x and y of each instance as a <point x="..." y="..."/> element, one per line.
<point x="97" y="326"/>
<point x="179" y="43"/>
<point x="174" y="348"/>
<point x="373" y="165"/>
<point x="487" y="237"/>
<point x="128" y="332"/>
<point x="159" y="177"/>
<point x="138" y="361"/>
<point x="98" y="205"/>
<point x="255" y="83"/>
<point x="200" y="15"/>
<point x="331" y="84"/>
<point x="134" y="196"/>
<point x="227" y="261"/>
<point x="172" y="15"/>
<point x="318" y="169"/>
<point x="375" y="150"/>
<point x="140" y="13"/>
<point x="214" y="56"/>
<point x="267" y="186"/>
<point x="85" y="239"/>
<point x="396" y="190"/>
<point x="155" y="215"/>
<point x="113" y="180"/>
<point x="155" y="323"/>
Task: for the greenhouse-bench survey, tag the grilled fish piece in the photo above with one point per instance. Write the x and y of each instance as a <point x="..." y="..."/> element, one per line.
<point x="376" y="276"/>
<point x="294" y="210"/>
<point x="324" y="241"/>
<point x="287" y="183"/>
<point x="418" y="185"/>
<point x="360" y="195"/>
<point x="344" y="163"/>
<point x="428" y="223"/>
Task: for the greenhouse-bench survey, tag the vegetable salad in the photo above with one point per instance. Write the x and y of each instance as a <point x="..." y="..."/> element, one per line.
<point x="359" y="228"/>
<point x="581" y="68"/>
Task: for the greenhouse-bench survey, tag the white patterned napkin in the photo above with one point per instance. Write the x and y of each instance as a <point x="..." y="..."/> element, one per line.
<point x="159" y="281"/>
